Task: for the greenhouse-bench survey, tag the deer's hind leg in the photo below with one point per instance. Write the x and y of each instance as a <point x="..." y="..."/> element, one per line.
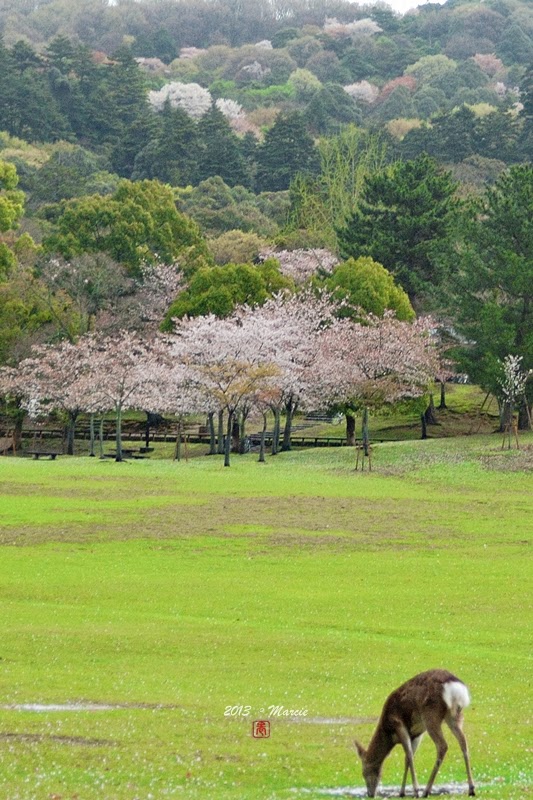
<point x="455" y="724"/>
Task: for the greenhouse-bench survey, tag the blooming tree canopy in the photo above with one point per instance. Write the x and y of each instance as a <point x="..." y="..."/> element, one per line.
<point x="191" y="97"/>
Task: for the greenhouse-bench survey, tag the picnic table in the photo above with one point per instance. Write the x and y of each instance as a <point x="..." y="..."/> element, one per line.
<point x="127" y="452"/>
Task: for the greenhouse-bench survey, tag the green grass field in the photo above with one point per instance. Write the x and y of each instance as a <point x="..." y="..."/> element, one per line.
<point x="176" y="590"/>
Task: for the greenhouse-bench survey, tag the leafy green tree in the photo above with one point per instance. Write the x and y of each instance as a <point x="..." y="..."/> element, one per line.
<point x="217" y="290"/>
<point x="364" y="284"/>
<point x="137" y="224"/>
<point x="330" y="108"/>
<point x="515" y="45"/>
<point x="287" y="149"/>
<point x="404" y="219"/>
<point x="69" y="172"/>
<point x="321" y="205"/>
<point x="219" y="208"/>
<point x="236" y="247"/>
<point x="23" y="316"/>
<point x="525" y="143"/>
<point x="527" y="92"/>
<point x="11" y="210"/>
<point x="493" y="290"/>
<point x="399" y="104"/>
<point x="156" y="44"/>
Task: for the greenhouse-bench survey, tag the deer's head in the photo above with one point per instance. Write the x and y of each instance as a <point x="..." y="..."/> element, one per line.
<point x="371" y="771"/>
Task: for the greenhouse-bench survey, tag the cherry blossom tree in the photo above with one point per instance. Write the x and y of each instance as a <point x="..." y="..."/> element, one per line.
<point x="363" y="90"/>
<point x="130" y="374"/>
<point x="293" y="325"/>
<point x="376" y="362"/>
<point x="228" y="359"/>
<point x="512" y="383"/>
<point x="302" y="264"/>
<point x="57" y="378"/>
<point x="191" y="97"/>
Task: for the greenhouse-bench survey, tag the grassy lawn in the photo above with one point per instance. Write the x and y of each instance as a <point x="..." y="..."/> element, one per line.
<point x="172" y="591"/>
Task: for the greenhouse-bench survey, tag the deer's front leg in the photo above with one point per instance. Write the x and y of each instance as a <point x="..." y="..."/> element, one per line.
<point x="409" y="748"/>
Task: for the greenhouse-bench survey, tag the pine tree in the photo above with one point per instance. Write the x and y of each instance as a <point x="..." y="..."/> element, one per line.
<point x="128" y="107"/>
<point x="287" y="150"/>
<point x="221" y="154"/>
<point x="403" y="221"/>
<point x="173" y="154"/>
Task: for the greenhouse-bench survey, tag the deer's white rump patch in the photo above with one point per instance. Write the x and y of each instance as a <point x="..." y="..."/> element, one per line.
<point x="455" y="696"/>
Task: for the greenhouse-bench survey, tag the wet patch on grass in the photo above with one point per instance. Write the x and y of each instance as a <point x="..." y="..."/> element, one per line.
<point x="445" y="790"/>
<point x="31" y="738"/>
<point x="42" y="708"/>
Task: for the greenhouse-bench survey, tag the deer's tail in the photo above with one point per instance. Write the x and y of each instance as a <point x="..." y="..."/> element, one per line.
<point x="456" y="696"/>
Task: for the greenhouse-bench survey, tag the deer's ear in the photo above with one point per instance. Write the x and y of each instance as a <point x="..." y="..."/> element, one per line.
<point x="360" y="749"/>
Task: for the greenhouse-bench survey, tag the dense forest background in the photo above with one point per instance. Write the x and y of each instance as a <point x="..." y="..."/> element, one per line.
<point x="217" y="135"/>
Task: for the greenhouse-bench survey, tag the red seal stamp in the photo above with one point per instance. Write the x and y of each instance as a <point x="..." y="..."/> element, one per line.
<point x="261" y="729"/>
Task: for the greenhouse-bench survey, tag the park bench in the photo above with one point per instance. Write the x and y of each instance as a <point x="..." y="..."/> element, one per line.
<point x="38" y="453"/>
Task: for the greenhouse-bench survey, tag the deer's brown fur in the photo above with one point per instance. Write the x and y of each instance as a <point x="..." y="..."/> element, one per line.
<point x="419" y="705"/>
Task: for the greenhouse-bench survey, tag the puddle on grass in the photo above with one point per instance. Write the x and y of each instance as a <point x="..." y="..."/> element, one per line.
<point x="386" y="791"/>
<point x="46" y="707"/>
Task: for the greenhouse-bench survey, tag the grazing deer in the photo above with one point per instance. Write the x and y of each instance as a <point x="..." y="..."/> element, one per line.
<point x="421" y="704"/>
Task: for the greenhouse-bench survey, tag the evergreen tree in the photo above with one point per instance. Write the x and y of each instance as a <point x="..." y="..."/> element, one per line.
<point x="173" y="154"/>
<point x="27" y="106"/>
<point x="221" y="151"/>
<point x="60" y="54"/>
<point x="287" y="149"/>
<point x="403" y="221"/>
<point x="492" y="291"/>
<point x="133" y="122"/>
<point x="454" y="135"/>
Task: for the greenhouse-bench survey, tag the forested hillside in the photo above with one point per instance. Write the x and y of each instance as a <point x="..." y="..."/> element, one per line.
<point x="260" y="146"/>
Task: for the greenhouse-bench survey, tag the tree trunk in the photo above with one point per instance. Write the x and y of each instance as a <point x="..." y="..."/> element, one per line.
<point x="212" y="434"/>
<point x="350" y="428"/>
<point x="505" y="416"/>
<point x="366" y="435"/>
<point x="71" y="429"/>
<point x="430" y="414"/>
<point x="177" y="449"/>
<point x="442" y="404"/>
<point x="235" y="435"/>
<point x="101" y="436"/>
<point x="220" y="441"/>
<point x="524" y="416"/>
<point x="289" y="413"/>
<point x="424" y="426"/>
<point x="147" y="430"/>
<point x="262" y="443"/>
<point x="227" y="448"/>
<point x="91" y="435"/>
<point x="118" y="435"/>
<point x="276" y="432"/>
<point x="17" y="430"/>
